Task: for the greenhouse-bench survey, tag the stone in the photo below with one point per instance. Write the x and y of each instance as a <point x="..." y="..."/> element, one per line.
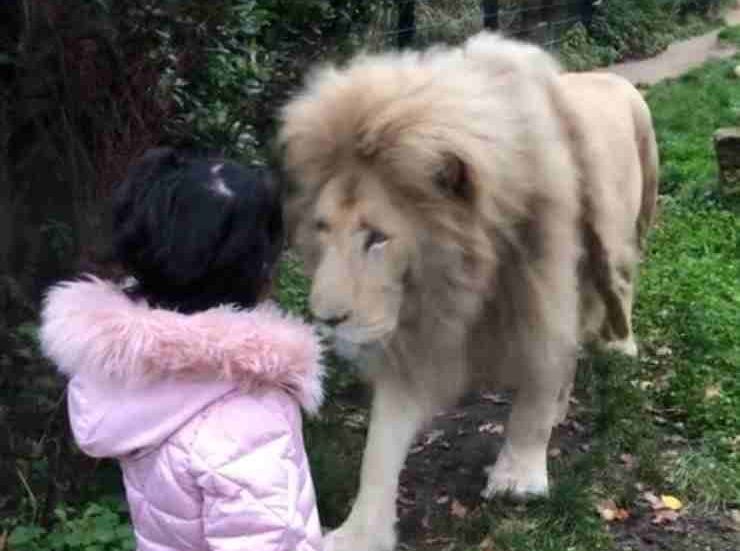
<point x="727" y="149"/>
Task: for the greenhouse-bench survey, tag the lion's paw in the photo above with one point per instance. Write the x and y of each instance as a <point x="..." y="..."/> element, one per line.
<point x="518" y="479"/>
<point x="627" y="346"/>
<point x="345" y="538"/>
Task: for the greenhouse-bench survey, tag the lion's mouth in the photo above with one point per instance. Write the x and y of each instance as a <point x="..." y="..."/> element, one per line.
<point x="353" y="334"/>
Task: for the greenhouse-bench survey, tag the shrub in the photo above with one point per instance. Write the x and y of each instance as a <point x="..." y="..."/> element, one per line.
<point x="101" y="526"/>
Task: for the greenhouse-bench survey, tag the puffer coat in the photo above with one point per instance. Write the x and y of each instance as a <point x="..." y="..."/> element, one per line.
<point x="202" y="411"/>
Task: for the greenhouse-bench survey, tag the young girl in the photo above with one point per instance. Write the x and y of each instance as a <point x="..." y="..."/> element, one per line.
<point x="183" y="377"/>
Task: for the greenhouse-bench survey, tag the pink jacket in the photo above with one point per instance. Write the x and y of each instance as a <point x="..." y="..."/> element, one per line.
<point x="201" y="410"/>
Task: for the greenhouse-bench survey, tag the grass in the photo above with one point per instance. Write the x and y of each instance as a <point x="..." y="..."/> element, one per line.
<point x="690" y="291"/>
<point x="730" y="35"/>
<point x="686" y="112"/>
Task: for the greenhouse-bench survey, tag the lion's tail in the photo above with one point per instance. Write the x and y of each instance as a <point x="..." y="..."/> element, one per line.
<point x="649" y="159"/>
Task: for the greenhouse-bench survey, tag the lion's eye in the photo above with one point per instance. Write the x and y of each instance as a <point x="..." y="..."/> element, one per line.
<point x="374" y="238"/>
<point x="321" y="225"/>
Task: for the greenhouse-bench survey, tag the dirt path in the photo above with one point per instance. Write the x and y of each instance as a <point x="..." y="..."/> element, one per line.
<point x="679" y="58"/>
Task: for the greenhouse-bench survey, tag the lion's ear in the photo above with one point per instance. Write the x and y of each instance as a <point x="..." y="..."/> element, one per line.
<point x="454" y="179"/>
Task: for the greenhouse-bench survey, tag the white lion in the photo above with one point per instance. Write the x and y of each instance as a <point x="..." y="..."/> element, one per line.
<point x="469" y="215"/>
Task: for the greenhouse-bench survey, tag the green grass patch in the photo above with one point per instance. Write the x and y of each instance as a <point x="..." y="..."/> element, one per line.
<point x="292" y="286"/>
<point x="689" y="306"/>
<point x="686" y="112"/>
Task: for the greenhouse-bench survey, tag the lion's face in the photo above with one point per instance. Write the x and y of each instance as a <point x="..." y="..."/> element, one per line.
<point x="361" y="249"/>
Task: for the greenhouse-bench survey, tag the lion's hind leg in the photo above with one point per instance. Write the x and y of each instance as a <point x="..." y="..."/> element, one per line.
<point x="616" y="337"/>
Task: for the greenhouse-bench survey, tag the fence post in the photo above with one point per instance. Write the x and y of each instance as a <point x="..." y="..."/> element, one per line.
<point x="490" y="14"/>
<point x="587" y="12"/>
<point x="406" y="22"/>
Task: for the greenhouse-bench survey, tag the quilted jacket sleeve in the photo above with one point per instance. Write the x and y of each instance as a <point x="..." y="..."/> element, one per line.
<point x="257" y="491"/>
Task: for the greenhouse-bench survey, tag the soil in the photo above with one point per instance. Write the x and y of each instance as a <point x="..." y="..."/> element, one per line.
<point x="446" y="465"/>
<point x="444" y="470"/>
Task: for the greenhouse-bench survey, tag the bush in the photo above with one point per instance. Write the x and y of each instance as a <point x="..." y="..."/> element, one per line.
<point x="99" y="526"/>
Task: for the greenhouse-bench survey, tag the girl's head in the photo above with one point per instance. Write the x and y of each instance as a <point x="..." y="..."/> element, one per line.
<point x="197" y="230"/>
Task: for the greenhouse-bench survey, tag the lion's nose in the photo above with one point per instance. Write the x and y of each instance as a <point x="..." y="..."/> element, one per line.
<point x="333" y="321"/>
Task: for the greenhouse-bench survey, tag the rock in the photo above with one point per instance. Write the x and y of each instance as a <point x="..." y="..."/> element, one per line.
<point x="727" y="148"/>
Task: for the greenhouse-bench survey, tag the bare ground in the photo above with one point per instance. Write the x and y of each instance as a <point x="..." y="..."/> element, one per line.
<point x="445" y="468"/>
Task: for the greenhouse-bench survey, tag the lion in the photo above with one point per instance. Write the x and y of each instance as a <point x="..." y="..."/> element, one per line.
<point x="469" y="216"/>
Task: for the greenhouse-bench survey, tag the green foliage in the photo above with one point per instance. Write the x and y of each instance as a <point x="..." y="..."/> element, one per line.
<point x="730" y="35"/>
<point x="629" y="29"/>
<point x="216" y="95"/>
<point x="580" y="52"/>
<point x="634" y="28"/>
<point x="292" y="286"/>
<point x="98" y="527"/>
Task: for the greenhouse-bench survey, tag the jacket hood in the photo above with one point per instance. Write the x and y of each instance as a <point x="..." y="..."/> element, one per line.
<point x="151" y="369"/>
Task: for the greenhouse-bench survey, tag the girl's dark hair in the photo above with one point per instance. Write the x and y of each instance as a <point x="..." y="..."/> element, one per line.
<point x="197" y="230"/>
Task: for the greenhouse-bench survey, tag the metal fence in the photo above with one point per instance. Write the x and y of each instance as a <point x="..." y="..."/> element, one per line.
<point x="410" y="23"/>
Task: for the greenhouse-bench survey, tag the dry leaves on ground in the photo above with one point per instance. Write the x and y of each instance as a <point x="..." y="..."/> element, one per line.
<point x="610" y="512"/>
<point x="491" y="428"/>
<point x="665" y="508"/>
<point x="458" y="510"/>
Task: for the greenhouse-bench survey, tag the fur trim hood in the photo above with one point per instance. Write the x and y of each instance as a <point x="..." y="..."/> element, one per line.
<point x="91" y="329"/>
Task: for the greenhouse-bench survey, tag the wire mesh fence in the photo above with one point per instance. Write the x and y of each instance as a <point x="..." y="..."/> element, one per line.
<point x="415" y="23"/>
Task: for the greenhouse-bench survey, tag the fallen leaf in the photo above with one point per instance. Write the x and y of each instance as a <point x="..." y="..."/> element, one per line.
<point x="441" y="500"/>
<point x="495" y="397"/>
<point x="433" y="436"/>
<point x="675" y="439"/>
<point x="405" y="501"/>
<point x="622" y="514"/>
<point x="554" y="453"/>
<point x="487" y="544"/>
<point x="653" y="500"/>
<point x="491" y="428"/>
<point x="664" y="351"/>
<point x="355" y="420"/>
<point x="664" y="516"/>
<point x="574" y="425"/>
<point x="610" y="512"/>
<point x="671" y="502"/>
<point x="735" y="518"/>
<point x="436" y="540"/>
<point x="416" y="449"/>
<point x="628" y="460"/>
<point x="712" y="391"/>
<point x="457" y="509"/>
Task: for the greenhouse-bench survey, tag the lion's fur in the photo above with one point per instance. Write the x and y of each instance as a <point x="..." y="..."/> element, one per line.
<point x="506" y="274"/>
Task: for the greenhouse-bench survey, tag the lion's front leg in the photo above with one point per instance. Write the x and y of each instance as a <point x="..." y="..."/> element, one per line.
<point x="396" y="417"/>
<point x="521" y="467"/>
